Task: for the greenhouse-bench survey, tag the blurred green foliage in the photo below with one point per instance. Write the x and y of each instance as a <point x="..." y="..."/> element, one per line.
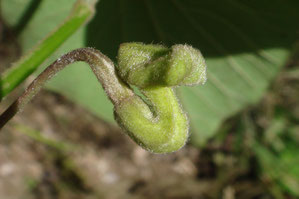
<point x="20" y="70"/>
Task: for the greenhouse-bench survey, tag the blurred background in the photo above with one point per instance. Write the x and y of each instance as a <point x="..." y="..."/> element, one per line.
<point x="244" y="120"/>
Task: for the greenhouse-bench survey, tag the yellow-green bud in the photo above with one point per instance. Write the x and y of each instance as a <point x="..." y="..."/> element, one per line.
<point x="155" y="65"/>
<point x="157" y="123"/>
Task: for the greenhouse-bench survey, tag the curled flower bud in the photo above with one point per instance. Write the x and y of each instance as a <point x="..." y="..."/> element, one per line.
<point x="160" y="125"/>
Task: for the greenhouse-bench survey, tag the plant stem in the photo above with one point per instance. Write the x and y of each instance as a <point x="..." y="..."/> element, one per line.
<point x="101" y="65"/>
<point x="82" y="11"/>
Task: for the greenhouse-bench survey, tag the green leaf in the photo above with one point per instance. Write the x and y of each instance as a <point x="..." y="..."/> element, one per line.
<point x="245" y="44"/>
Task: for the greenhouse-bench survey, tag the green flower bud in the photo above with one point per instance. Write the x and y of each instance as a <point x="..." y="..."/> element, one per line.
<point x="160" y="127"/>
<point x="155" y="65"/>
<point x="157" y="123"/>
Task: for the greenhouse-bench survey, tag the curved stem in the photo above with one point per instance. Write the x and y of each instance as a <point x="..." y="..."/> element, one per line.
<point x="101" y="65"/>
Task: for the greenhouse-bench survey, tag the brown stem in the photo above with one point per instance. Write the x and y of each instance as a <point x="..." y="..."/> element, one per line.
<point x="101" y="65"/>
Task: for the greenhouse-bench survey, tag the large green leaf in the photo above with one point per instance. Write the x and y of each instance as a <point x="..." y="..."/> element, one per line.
<point x="245" y="44"/>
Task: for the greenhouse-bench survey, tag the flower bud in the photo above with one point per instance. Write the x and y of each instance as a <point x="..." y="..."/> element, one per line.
<point x="157" y="123"/>
<point x="163" y="128"/>
<point x="155" y="65"/>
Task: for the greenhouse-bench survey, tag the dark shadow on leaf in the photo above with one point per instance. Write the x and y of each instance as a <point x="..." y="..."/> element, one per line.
<point x="217" y="28"/>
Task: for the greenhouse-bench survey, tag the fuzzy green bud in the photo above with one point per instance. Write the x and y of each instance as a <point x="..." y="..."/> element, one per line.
<point x="157" y="123"/>
<point x="155" y="65"/>
<point x="160" y="127"/>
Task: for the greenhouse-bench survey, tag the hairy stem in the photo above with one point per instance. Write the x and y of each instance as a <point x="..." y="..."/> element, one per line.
<point x="101" y="65"/>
